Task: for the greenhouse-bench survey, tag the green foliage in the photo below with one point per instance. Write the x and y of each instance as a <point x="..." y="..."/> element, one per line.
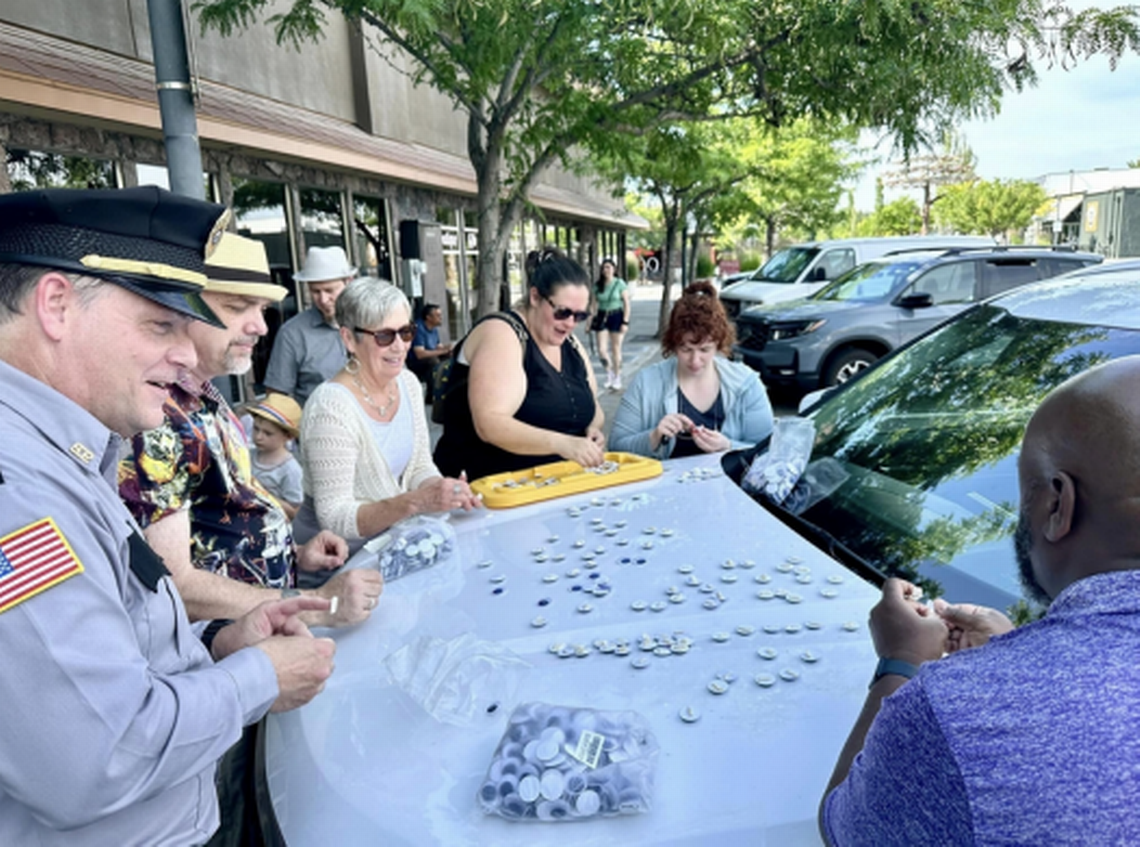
<point x="705" y="266"/>
<point x="30" y="169"/>
<point x="541" y="80"/>
<point x="631" y="270"/>
<point x="750" y="260"/>
<point x="899" y="217"/>
<point x="1023" y="612"/>
<point x="989" y="207"/>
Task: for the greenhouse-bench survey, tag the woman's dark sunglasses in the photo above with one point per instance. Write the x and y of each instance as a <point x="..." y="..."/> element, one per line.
<point x="385" y="337"/>
<point x="561" y="313"/>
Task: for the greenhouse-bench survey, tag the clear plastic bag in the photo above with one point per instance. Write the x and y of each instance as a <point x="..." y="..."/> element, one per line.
<point x="455" y="680"/>
<point x="556" y="763"/>
<point x="820" y="479"/>
<point x="409" y="546"/>
<point x="775" y="472"/>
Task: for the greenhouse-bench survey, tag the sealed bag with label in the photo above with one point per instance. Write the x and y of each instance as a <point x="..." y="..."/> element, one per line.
<point x="557" y="763"/>
<point x="410" y="546"/>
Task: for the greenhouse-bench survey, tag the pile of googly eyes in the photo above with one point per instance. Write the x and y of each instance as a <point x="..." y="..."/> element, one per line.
<point x="556" y="763"/>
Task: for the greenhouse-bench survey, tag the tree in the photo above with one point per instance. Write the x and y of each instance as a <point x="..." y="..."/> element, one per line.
<point x="798" y="178"/>
<point x="990" y="207"/>
<point x="538" y="79"/>
<point x="692" y="172"/>
<point x="899" y="217"/>
<point x="954" y="163"/>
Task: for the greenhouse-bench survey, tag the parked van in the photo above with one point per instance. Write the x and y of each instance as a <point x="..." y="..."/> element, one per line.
<point x="803" y="269"/>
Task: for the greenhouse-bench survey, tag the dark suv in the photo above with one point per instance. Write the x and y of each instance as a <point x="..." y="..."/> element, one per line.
<point x="829" y="337"/>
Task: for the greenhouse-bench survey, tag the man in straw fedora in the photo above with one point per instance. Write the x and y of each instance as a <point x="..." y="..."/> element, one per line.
<point x="190" y="485"/>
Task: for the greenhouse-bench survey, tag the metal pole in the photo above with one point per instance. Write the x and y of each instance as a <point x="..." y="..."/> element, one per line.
<point x="176" y="98"/>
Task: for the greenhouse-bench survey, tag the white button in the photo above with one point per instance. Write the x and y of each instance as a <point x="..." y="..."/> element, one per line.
<point x="529" y="788"/>
<point x="720" y="637"/>
<point x="690" y="715"/>
<point x="588" y="803"/>
<point x="658" y="606"/>
<point x="585" y="608"/>
<point x="728" y="577"/>
<point x="552" y="782"/>
<point x="538" y="622"/>
<point x="765" y="680"/>
<point x="765" y="594"/>
<point x="638" y="605"/>
<point x="809" y="657"/>
<point x="767" y="653"/>
<point x="850" y="626"/>
<point x="745" y="630"/>
<point x="550" y="577"/>
<point x="639" y="662"/>
<point x="718" y="686"/>
<point x="789" y="675"/>
<point x="685" y="569"/>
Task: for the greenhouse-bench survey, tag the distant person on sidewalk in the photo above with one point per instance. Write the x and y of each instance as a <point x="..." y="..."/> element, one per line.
<point x="427" y="352"/>
<point x="308" y="349"/>
<point x="522" y="392"/>
<point x="695" y="400"/>
<point x="611" y="321"/>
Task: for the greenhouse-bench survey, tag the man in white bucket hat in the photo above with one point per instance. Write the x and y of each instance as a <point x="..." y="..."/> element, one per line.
<point x="308" y="349"/>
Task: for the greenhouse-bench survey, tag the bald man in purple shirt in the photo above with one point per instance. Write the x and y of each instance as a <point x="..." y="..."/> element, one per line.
<point x="1031" y="736"/>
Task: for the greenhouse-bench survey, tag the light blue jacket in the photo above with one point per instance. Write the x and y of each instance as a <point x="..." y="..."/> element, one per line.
<point x="653" y="394"/>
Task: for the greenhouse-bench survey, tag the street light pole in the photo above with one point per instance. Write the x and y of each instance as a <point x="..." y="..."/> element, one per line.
<point x="176" y="98"/>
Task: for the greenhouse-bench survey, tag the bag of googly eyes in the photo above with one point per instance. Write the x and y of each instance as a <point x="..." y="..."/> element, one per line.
<point x="409" y="546"/>
<point x="556" y="763"/>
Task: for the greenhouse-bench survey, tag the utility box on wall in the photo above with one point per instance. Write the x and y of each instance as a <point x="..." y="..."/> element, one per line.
<point x="421" y="253"/>
<point x="1110" y="223"/>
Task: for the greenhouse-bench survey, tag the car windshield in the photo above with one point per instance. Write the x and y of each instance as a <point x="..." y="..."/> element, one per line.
<point x="787" y="265"/>
<point x="870" y="281"/>
<point x="916" y="462"/>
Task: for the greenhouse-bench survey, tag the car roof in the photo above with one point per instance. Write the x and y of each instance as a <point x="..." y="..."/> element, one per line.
<point x="1099" y="297"/>
<point x="931" y="254"/>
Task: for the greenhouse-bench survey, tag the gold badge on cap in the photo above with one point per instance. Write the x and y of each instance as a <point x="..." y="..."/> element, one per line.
<point x="220" y="226"/>
<point x="82" y="452"/>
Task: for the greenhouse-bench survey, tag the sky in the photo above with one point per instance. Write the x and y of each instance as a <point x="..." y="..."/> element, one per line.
<point x="1081" y="119"/>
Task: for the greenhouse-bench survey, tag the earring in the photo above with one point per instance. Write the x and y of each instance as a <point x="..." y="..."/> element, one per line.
<point x="352" y="366"/>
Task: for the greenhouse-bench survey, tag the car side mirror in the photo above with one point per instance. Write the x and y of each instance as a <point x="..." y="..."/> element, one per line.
<point x="916" y="300"/>
<point x="819" y="274"/>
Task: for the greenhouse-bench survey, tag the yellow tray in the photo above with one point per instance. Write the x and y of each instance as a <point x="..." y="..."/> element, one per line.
<point x="521" y="488"/>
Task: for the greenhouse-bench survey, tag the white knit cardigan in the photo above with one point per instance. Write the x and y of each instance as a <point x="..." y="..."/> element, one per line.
<point x="344" y="469"/>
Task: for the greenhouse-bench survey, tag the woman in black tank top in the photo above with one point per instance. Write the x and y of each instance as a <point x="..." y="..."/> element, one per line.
<point x="529" y="395"/>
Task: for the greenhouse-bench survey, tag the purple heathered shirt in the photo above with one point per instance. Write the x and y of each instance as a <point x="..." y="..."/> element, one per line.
<point x="1032" y="739"/>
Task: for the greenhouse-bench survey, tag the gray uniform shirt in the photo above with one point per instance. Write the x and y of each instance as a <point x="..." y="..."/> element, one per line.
<point x="306" y="352"/>
<point x="113" y="712"/>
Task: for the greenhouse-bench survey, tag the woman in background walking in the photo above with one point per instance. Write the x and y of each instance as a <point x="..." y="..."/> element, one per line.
<point x="611" y="321"/>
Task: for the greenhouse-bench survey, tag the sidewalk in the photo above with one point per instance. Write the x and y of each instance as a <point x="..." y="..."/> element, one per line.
<point x="640" y="349"/>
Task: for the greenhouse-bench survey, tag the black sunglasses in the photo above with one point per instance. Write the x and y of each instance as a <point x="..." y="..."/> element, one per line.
<point x="561" y="313"/>
<point x="385" y="337"/>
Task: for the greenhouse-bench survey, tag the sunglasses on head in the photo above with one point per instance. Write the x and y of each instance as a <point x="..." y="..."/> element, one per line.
<point x="561" y="313"/>
<point x="385" y="337"/>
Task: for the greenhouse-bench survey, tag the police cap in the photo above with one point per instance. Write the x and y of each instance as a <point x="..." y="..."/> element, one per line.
<point x="148" y="240"/>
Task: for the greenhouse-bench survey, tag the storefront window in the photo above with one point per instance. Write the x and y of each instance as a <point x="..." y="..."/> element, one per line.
<point x="259" y="212"/>
<point x="371" y="235"/>
<point x="322" y="218"/>
<point x="31" y="169"/>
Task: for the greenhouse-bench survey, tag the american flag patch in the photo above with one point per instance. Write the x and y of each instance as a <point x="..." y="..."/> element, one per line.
<point x="33" y="559"/>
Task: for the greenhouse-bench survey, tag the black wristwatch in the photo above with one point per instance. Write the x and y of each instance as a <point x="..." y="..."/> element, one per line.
<point x="893" y="667"/>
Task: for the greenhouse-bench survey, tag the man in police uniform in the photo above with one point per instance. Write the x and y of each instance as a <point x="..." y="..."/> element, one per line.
<point x="114" y="712"/>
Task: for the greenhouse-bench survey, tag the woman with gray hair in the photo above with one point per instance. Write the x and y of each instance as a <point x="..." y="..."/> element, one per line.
<point x="364" y="442"/>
